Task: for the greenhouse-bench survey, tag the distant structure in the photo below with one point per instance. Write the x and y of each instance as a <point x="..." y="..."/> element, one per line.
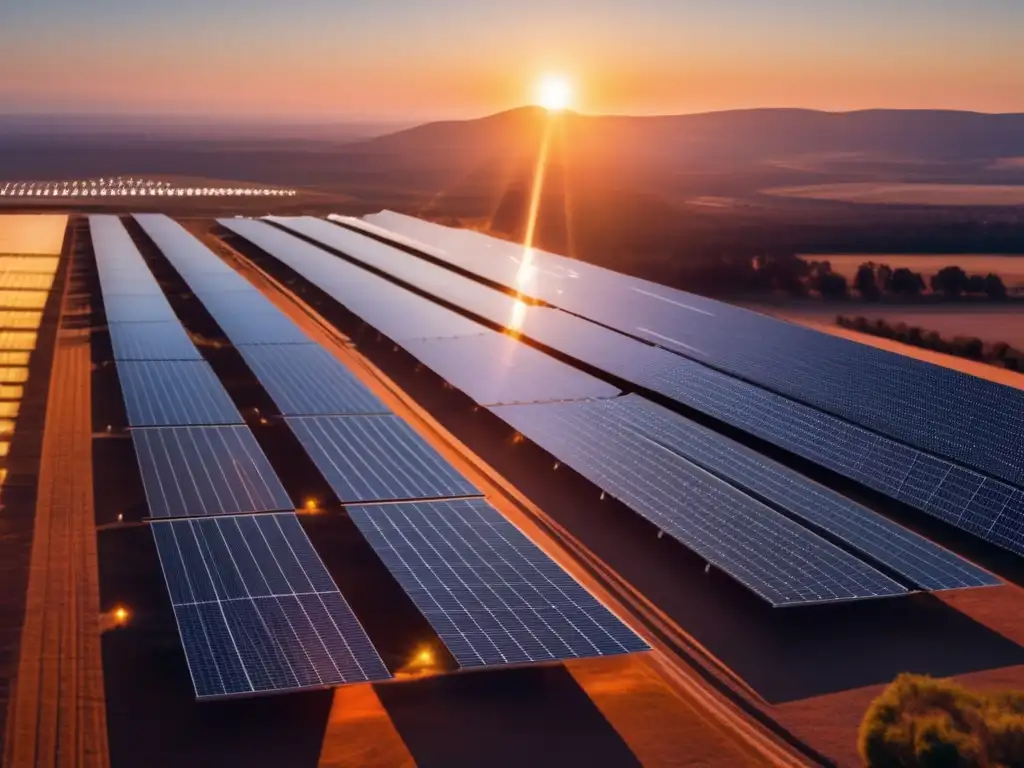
<point x="120" y="186"/>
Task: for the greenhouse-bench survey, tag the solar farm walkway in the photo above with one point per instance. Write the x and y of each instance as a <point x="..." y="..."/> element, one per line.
<point x="57" y="714"/>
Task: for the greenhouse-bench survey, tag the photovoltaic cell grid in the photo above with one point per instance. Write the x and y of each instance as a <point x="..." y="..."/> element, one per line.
<point x="481" y="300"/>
<point x="980" y="505"/>
<point x="923" y="563"/>
<point x="777" y="559"/>
<point x="137" y="308"/>
<point x="152" y="341"/>
<point x="493" y="368"/>
<point x="492" y="595"/>
<point x="306" y="380"/>
<point x="390" y="309"/>
<point x="892" y="394"/>
<point x="199" y="471"/>
<point x="983" y="506"/>
<point x="377" y="458"/>
<point x="174" y="393"/>
<point x="257" y="610"/>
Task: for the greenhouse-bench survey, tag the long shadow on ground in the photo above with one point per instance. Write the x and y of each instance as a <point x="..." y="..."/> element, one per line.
<point x="515" y="717"/>
<point x="152" y="717"/>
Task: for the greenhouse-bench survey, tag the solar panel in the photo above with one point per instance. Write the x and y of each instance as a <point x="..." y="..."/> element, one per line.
<point x="851" y="451"/>
<point x="777" y="559"/>
<point x="306" y="380"/>
<point x="188" y="255"/>
<point x="491" y="594"/>
<point x="198" y="471"/>
<point x="260" y="326"/>
<point x="257" y="610"/>
<point x="152" y="341"/>
<point x="174" y="393"/>
<point x="132" y="308"/>
<point x="892" y="394"/>
<point x="481" y="300"/>
<point x="493" y="368"/>
<point x="377" y="458"/>
<point x="392" y="310"/>
<point x="914" y="557"/>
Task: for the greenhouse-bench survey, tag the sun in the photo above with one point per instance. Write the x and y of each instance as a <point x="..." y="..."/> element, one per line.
<point x="554" y="93"/>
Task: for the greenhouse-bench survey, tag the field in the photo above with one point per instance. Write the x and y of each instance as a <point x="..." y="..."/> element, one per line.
<point x="900" y="193"/>
<point x="986" y="322"/>
<point x="1010" y="268"/>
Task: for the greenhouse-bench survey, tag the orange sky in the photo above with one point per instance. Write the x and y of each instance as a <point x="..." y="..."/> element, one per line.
<point x="401" y="59"/>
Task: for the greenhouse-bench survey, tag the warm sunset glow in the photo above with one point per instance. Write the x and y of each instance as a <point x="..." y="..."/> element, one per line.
<point x="554" y="93"/>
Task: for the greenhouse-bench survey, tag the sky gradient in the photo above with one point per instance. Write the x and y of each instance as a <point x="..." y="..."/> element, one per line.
<point x="398" y="59"/>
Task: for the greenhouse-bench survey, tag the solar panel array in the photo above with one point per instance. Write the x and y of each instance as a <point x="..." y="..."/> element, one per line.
<point x="378" y="458"/>
<point x="918" y="560"/>
<point x="779" y="560"/>
<point x="300" y="376"/>
<point x="257" y="610"/>
<point x="490" y="593"/>
<point x="488" y="366"/>
<point x="396" y="312"/>
<point x="601" y="347"/>
<point x="892" y="394"/>
<point x="978" y="503"/>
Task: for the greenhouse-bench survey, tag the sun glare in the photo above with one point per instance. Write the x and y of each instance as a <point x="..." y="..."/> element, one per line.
<point x="554" y="93"/>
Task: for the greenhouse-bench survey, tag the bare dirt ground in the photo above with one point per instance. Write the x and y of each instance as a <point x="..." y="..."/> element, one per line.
<point x="56" y="715"/>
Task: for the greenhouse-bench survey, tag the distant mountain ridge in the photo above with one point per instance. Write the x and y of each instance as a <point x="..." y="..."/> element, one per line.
<point x="740" y="136"/>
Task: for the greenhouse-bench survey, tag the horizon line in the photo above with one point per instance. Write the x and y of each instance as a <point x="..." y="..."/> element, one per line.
<point x="308" y="120"/>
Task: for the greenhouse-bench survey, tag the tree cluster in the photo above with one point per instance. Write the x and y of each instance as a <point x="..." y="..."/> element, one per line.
<point x="920" y="722"/>
<point x="873" y="281"/>
<point x="999" y="353"/>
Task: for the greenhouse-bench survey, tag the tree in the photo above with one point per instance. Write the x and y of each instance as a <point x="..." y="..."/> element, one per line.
<point x="866" y="282"/>
<point x="905" y="283"/>
<point x="922" y="722"/>
<point x="994" y="287"/>
<point x="833" y="285"/>
<point x="975" y="284"/>
<point x="882" y="276"/>
<point x="951" y="281"/>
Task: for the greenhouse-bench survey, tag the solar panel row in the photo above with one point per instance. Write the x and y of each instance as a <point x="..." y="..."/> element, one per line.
<point x="257" y="610"/>
<point x="394" y="311"/>
<point x="779" y="560"/>
<point x="300" y="376"/>
<point x="897" y="396"/>
<point x="490" y="593"/>
<point x="489" y="367"/>
<point x="981" y="505"/>
<point x="921" y="562"/>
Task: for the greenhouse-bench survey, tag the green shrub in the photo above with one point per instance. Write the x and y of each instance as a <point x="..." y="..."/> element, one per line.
<point x="920" y="722"/>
